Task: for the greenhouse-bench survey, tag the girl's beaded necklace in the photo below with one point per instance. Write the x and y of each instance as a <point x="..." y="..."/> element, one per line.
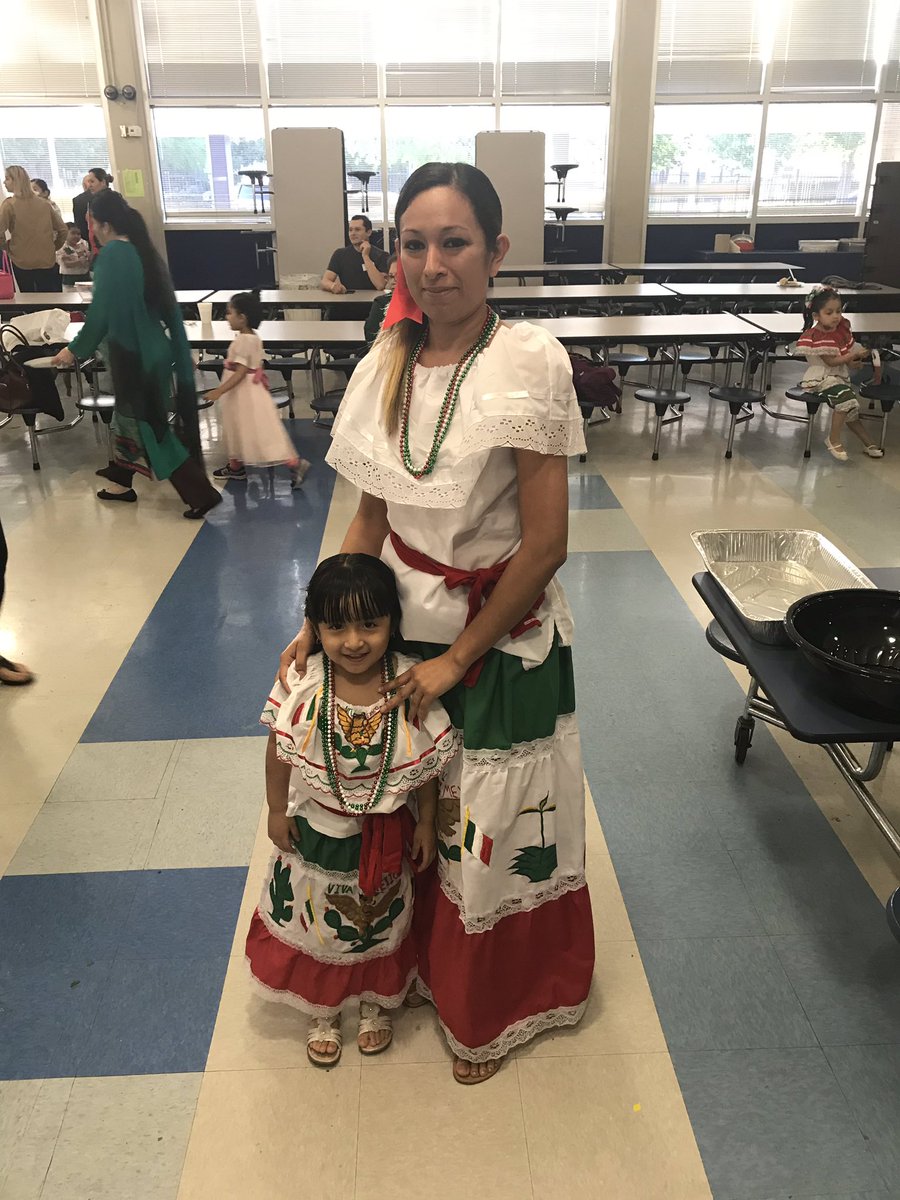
<point x="388" y="741"/>
<point x="451" y="396"/>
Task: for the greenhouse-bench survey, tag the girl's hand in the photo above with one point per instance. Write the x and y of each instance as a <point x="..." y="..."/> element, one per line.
<point x="281" y="827"/>
<point x="215" y="394"/>
<point x="65" y="358"/>
<point x="296" y="653"/>
<point x="424" y="845"/>
<point x="422" y="684"/>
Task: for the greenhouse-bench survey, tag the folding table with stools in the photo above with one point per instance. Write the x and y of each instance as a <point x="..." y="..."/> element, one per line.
<point x="786" y="691"/>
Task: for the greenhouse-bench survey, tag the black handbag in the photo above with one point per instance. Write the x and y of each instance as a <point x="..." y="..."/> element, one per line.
<point x="15" y="390"/>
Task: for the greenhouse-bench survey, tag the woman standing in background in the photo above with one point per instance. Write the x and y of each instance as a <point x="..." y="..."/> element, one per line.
<point x="36" y="232"/>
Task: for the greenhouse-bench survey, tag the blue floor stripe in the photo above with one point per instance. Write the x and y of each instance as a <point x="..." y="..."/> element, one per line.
<point x="202" y="664"/>
<point x="742" y="900"/>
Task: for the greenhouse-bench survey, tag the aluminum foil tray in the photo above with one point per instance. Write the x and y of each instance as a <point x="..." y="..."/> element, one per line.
<point x="763" y="571"/>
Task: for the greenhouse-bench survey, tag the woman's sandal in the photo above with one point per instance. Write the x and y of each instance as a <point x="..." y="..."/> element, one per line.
<point x="373" y="1019"/>
<point x="414" y="998"/>
<point x="20" y="675"/>
<point x="470" y="1080"/>
<point x="322" y="1030"/>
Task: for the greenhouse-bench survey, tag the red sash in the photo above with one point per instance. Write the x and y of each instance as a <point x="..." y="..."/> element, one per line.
<point x="386" y="838"/>
<point x="257" y="376"/>
<point x="480" y="581"/>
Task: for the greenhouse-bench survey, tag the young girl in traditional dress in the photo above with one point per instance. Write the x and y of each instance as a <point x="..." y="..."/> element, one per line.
<point x="253" y="431"/>
<point x="827" y="342"/>
<point x="352" y="795"/>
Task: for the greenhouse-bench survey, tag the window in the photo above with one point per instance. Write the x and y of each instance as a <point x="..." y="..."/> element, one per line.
<point x="201" y="154"/>
<point x="430" y="134"/>
<point x="194" y="48"/>
<point x="440" y="50"/>
<point x="889" y="135"/>
<point x="703" y="158"/>
<point x="62" y="157"/>
<point x="567" y="52"/>
<point x="47" y="49"/>
<point x="313" y="51"/>
<point x="815" y="156"/>
<point x="576" y="134"/>
<point x="361" y="127"/>
<point x="829" y="46"/>
<point x="705" y="46"/>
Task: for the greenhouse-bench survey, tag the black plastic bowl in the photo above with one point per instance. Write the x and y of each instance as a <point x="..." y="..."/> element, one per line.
<point x="852" y="637"/>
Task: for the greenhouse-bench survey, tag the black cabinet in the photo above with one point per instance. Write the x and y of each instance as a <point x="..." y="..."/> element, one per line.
<point x="221" y="258"/>
<point x="882" y="258"/>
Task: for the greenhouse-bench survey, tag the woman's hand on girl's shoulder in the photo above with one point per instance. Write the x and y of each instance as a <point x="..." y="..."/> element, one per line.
<point x="422" y="685"/>
<point x="296" y="654"/>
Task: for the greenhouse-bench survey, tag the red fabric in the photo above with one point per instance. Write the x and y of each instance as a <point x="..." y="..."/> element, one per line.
<point x="480" y="581"/>
<point x="327" y="985"/>
<point x="386" y="838"/>
<point x="529" y="963"/>
<point x="257" y="376"/>
<point x="402" y="307"/>
<point x="837" y="340"/>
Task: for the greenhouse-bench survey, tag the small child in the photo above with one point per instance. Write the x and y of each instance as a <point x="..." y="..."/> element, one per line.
<point x="334" y="923"/>
<point x="74" y="257"/>
<point x="827" y="342"/>
<point x="254" y="433"/>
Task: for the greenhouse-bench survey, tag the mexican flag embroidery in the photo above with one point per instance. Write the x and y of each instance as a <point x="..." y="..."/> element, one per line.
<point x="476" y="842"/>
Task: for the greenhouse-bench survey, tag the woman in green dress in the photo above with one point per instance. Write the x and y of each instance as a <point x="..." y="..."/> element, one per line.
<point x="135" y="314"/>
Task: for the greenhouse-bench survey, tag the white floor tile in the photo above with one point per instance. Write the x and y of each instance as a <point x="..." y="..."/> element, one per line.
<point x="88" y="835"/>
<point x="113" y="771"/>
<point x="31" y="1115"/>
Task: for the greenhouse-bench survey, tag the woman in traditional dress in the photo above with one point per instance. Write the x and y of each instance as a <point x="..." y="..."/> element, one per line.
<point x="457" y="428"/>
<point x="135" y="313"/>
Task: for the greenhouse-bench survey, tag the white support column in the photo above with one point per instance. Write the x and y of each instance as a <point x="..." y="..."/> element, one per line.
<point x="121" y="64"/>
<point x="631" y="131"/>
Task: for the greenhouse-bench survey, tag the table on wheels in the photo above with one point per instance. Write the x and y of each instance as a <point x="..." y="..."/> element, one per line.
<point x="786" y="691"/>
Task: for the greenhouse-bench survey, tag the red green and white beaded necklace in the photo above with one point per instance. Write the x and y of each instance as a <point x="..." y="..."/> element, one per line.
<point x="451" y="396"/>
<point x="388" y="742"/>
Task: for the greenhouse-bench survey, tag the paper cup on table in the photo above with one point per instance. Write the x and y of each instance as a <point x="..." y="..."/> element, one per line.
<point x="205" y="311"/>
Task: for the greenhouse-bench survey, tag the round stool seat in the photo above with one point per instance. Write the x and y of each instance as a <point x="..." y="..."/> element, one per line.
<point x="737" y="396"/>
<point x="97" y="404"/>
<point x="887" y="394"/>
<point x="666" y="397"/>
<point x="622" y="359"/>
<point x="721" y="643"/>
<point x="362" y="176"/>
<point x="561" y="211"/>
<point x="694" y="356"/>
<point x="562" y="169"/>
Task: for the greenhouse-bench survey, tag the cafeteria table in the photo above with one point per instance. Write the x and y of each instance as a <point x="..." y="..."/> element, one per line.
<point x="786" y="691"/>
<point x="568" y="269"/>
<point x="20" y="302"/>
<point x="731" y="295"/>
<point x="709" y="270"/>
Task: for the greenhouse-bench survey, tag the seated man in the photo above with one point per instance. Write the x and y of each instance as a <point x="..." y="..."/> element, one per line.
<point x="359" y="267"/>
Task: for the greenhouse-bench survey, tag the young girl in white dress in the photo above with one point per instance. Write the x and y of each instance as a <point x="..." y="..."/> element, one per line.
<point x="352" y="794"/>
<point x="254" y="433"/>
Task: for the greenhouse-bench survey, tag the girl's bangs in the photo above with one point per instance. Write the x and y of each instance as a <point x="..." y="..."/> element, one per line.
<point x="340" y="607"/>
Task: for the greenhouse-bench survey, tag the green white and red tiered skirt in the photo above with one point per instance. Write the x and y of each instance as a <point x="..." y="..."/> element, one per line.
<point x="503" y="926"/>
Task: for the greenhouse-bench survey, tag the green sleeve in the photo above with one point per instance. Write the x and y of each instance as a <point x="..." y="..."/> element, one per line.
<point x="96" y="327"/>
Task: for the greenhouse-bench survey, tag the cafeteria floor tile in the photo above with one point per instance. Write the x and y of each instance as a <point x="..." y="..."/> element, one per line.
<point x="742" y="1037"/>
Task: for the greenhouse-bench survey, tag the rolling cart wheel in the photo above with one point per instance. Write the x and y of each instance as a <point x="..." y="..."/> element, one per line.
<point x="893" y="913"/>
<point x="743" y="737"/>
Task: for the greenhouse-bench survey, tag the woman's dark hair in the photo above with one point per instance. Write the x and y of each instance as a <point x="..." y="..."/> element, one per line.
<point x="112" y="209"/>
<point x="816" y="303"/>
<point x="248" y="305"/>
<point x="352" y="587"/>
<point x="474" y="185"/>
<point x="396" y="344"/>
<point x="101" y="175"/>
<point x="42" y="184"/>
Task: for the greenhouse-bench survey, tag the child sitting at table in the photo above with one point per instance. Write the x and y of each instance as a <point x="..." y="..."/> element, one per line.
<point x="827" y="342"/>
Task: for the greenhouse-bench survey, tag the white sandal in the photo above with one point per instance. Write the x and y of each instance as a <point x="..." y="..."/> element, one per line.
<point x="874" y="451"/>
<point x="373" y="1019"/>
<point x="321" y="1029"/>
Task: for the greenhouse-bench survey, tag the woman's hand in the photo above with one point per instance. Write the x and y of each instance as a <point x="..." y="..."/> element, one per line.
<point x="281" y="828"/>
<point x="424" y="845"/>
<point x="296" y="654"/>
<point x="422" y="684"/>
<point x="65" y="358"/>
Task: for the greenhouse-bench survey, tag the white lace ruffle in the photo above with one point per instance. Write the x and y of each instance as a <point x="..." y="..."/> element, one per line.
<point x="513" y="905"/>
<point x="325" y="956"/>
<point x="523" y="751"/>
<point x="514" y="1035"/>
<point x="544" y="435"/>
<point x="317" y="1010"/>
<point x="401" y="781"/>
